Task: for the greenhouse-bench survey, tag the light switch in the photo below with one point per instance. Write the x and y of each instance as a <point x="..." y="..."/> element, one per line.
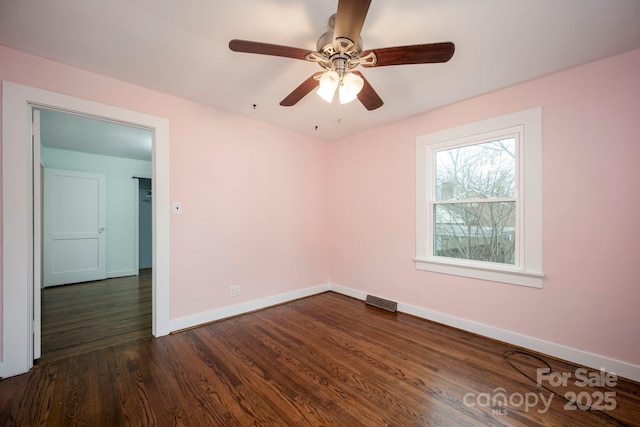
<point x="177" y="208"/>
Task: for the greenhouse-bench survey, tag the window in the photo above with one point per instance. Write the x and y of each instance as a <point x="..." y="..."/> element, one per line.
<point x="479" y="200"/>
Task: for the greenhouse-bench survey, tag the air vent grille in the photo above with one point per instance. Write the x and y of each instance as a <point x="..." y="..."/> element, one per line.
<point x="382" y="303"/>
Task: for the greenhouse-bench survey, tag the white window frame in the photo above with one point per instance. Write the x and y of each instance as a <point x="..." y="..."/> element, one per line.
<point x="527" y="127"/>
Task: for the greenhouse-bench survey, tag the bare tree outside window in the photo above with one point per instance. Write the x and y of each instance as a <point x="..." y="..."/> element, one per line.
<point x="475" y="203"/>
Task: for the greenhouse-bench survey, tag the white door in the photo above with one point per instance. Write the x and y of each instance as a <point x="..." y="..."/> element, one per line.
<point x="74" y="232"/>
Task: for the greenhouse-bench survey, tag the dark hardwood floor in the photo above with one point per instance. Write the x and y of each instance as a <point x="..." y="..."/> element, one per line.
<point x="88" y="316"/>
<point x="326" y="360"/>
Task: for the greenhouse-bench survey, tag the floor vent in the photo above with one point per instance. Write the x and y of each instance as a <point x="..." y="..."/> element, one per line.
<point x="382" y="303"/>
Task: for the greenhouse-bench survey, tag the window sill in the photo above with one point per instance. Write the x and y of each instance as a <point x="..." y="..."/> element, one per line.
<point x="533" y="280"/>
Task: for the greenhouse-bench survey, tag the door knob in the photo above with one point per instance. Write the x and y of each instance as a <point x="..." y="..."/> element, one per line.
<point x="101" y="230"/>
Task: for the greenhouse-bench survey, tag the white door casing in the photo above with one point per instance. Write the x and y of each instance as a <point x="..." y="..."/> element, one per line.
<point x="37" y="235"/>
<point x="74" y="227"/>
<point x="20" y="255"/>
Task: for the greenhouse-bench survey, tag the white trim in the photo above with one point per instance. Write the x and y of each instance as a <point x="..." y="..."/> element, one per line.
<point x="529" y="271"/>
<point x="38" y="278"/>
<point x="591" y="360"/>
<point x="17" y="101"/>
<point x="243" y="308"/>
<point x="350" y="292"/>
<point x="530" y="279"/>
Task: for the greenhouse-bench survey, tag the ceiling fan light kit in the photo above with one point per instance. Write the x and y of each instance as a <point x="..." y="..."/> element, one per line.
<point x="328" y="83"/>
<point x="348" y="86"/>
<point x="340" y="51"/>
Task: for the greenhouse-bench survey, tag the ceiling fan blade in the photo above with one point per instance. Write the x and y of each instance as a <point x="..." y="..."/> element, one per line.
<point x="350" y="19"/>
<point x="415" y="54"/>
<point x="267" y="49"/>
<point x="301" y="91"/>
<point x="368" y="96"/>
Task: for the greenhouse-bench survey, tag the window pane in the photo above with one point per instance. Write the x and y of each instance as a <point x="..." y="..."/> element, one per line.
<point x="482" y="231"/>
<point x="480" y="171"/>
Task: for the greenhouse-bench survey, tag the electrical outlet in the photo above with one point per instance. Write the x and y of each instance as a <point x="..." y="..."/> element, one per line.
<point x="234" y="290"/>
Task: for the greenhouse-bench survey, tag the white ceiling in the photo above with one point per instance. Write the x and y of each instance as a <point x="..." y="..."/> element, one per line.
<point x="181" y="48"/>
<point x="80" y="133"/>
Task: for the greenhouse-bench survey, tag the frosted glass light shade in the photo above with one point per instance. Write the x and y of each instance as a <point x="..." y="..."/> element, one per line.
<point x="351" y="86"/>
<point x="328" y="84"/>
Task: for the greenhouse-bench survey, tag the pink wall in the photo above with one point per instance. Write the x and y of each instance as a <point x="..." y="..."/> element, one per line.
<point x="254" y="195"/>
<point x="591" y="293"/>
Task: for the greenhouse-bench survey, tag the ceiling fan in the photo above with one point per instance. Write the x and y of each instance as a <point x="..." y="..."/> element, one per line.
<point x="340" y="51"/>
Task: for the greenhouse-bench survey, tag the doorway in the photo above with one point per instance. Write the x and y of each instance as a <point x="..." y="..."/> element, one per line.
<point x="145" y="224"/>
<point x="93" y="296"/>
<point x="21" y="257"/>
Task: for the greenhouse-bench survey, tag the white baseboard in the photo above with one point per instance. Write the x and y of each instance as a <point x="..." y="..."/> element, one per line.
<point x="353" y="293"/>
<point x="245" y="307"/>
<point x="595" y="361"/>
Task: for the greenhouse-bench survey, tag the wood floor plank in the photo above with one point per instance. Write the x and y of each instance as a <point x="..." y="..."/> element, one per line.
<point x="326" y="360"/>
<point x="318" y="354"/>
<point x="382" y="369"/>
<point x="253" y="368"/>
<point x="87" y="316"/>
